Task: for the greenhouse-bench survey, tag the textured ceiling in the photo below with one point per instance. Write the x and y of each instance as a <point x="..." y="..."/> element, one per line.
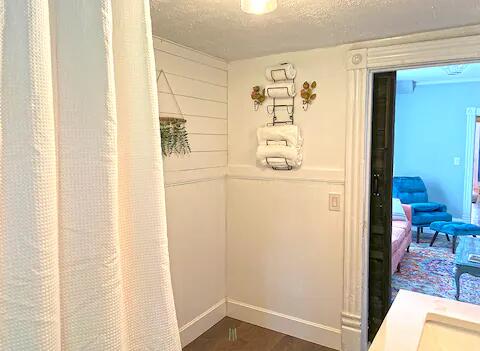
<point x="220" y="28"/>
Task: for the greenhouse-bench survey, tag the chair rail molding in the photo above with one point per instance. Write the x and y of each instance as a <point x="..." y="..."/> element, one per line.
<point x="361" y="64"/>
<point x="305" y="174"/>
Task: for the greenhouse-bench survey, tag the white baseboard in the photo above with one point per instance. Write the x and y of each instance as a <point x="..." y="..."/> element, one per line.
<point x="299" y="328"/>
<point x="203" y="322"/>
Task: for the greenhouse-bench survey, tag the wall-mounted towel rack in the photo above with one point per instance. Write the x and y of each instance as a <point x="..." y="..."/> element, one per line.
<point x="284" y="71"/>
<point x="270" y="89"/>
<point x="276" y="167"/>
<point x="288" y="102"/>
<point x="289" y="107"/>
<point x="275" y="151"/>
<point x="287" y="167"/>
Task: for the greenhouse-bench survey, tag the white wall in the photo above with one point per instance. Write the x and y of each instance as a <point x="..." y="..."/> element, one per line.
<point x="284" y="246"/>
<point x="195" y="193"/>
<point x="430" y="133"/>
<point x="284" y="264"/>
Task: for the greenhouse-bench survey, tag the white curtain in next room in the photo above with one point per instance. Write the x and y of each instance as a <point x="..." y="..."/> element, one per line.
<point x="83" y="245"/>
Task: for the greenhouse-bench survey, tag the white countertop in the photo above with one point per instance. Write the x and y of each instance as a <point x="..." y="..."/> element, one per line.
<point x="402" y="328"/>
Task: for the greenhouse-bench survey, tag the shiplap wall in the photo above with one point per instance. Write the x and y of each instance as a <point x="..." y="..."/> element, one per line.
<point x="199" y="83"/>
<point x="195" y="184"/>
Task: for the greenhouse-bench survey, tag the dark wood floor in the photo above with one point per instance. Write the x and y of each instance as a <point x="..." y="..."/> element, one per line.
<point x="249" y="338"/>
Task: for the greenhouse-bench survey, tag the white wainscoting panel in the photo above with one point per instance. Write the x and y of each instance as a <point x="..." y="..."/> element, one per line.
<point x="284" y="256"/>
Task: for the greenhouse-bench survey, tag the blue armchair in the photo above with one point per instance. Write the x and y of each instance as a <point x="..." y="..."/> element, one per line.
<point x="412" y="191"/>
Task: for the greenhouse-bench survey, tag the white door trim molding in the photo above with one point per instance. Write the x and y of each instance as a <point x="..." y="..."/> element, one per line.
<point x="361" y="64"/>
<point x="471" y="114"/>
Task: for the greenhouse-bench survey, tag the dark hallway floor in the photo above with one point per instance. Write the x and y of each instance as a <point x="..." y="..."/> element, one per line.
<point x="249" y="338"/>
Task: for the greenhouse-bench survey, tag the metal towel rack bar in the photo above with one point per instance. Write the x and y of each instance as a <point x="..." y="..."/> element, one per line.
<point x="286" y="167"/>
<point x="289" y="107"/>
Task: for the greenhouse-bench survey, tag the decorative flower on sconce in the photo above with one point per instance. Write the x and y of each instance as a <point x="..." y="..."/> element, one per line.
<point x="258" y="97"/>
<point x="307" y="94"/>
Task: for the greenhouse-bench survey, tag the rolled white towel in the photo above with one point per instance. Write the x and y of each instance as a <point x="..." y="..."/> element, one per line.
<point x="280" y="72"/>
<point x="280" y="90"/>
<point x="279" y="153"/>
<point x="290" y="133"/>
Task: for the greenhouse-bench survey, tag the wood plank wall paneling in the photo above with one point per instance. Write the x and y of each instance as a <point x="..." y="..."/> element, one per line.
<point x="199" y="83"/>
<point x="196" y="227"/>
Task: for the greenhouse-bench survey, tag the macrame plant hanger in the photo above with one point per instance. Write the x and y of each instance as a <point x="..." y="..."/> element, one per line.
<point x="174" y="136"/>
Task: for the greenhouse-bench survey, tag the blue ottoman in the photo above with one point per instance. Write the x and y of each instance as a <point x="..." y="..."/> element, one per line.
<point x="454" y="229"/>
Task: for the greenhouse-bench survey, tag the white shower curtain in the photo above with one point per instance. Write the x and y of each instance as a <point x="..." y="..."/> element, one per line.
<point x="83" y="247"/>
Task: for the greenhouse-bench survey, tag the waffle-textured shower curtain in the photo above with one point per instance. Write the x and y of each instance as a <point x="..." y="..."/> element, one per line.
<point x="83" y="248"/>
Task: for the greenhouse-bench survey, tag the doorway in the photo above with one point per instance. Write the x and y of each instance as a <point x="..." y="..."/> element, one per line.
<point x="381" y="165"/>
<point x="362" y="61"/>
<point x="418" y="159"/>
<point x="475" y="207"/>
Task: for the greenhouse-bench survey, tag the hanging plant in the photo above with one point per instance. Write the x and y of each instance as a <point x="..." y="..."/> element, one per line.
<point x="258" y="96"/>
<point x="174" y="136"/>
<point x="307" y="94"/>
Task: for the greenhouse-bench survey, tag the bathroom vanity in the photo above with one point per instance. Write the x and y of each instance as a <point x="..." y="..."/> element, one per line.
<point x="418" y="322"/>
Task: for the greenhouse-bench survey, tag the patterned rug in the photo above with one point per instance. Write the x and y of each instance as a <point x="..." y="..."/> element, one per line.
<point x="430" y="270"/>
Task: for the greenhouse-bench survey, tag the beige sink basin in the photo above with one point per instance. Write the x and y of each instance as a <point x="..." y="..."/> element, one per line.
<point x="443" y="333"/>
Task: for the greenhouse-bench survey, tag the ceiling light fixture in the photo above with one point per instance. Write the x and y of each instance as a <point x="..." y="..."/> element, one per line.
<point x="258" y="7"/>
<point x="454" y="70"/>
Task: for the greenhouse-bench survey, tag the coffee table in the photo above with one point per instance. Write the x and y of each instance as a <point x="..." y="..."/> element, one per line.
<point x="466" y="247"/>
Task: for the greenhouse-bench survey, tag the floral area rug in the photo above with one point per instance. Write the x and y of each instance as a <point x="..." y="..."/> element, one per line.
<point x="431" y="270"/>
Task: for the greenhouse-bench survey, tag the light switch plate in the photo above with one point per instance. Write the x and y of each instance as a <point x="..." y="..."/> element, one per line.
<point x="334" y="202"/>
<point x="456" y="161"/>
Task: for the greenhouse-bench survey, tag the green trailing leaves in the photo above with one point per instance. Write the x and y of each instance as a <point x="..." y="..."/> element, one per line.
<point x="174" y="137"/>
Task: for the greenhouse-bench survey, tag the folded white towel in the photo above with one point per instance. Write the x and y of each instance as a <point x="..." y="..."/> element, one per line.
<point x="279" y="153"/>
<point x="280" y="72"/>
<point x="280" y="90"/>
<point x="290" y="133"/>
